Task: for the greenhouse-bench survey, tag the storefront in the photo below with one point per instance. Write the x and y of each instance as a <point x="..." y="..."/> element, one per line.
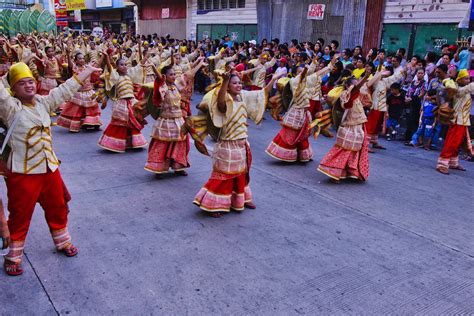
<point x="421" y="27"/>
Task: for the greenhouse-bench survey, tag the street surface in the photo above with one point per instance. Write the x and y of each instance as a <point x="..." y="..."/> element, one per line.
<point x="402" y="243"/>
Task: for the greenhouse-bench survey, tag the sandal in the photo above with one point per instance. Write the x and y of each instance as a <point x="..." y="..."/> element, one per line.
<point x="70" y="251"/>
<point x="377" y="146"/>
<point x="458" y="167"/>
<point x="250" y="205"/>
<point x="443" y="170"/>
<point x="12" y="268"/>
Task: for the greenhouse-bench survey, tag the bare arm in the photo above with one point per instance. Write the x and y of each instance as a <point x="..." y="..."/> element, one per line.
<point x="221" y="105"/>
<point x="107" y="61"/>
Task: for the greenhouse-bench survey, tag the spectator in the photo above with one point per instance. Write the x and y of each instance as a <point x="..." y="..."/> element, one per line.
<point x="396" y="105"/>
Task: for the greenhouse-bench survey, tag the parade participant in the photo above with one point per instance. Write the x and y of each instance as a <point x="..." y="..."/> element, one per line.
<point x="82" y="109"/>
<point x="33" y="175"/>
<point x="316" y="94"/>
<point x="349" y="158"/>
<point x="458" y="130"/>
<point x="375" y="119"/>
<point x="291" y="143"/>
<point x="185" y="84"/>
<point x="52" y="71"/>
<point x="169" y="147"/>
<point x="258" y="78"/>
<point x="124" y="130"/>
<point x="228" y="186"/>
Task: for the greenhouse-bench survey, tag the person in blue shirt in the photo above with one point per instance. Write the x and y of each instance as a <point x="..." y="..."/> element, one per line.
<point x="427" y="121"/>
<point x="226" y="41"/>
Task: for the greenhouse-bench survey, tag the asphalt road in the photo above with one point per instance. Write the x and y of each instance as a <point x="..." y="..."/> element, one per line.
<point x="402" y="243"/>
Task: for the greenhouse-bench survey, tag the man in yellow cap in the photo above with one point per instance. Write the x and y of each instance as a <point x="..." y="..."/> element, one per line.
<point x="258" y="79"/>
<point x="458" y="130"/>
<point x="32" y="173"/>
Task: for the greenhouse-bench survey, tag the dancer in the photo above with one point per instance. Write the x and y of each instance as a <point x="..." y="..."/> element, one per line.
<point x="458" y="130"/>
<point x="169" y="147"/>
<point x="349" y="157"/>
<point x="82" y="109"/>
<point x="291" y="143"/>
<point x="124" y="130"/>
<point x="33" y="175"/>
<point x="375" y="119"/>
<point x="228" y="186"/>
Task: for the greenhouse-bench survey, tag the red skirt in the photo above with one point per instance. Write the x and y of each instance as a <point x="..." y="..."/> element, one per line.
<point x="291" y="145"/>
<point x="340" y="163"/>
<point x="224" y="192"/>
<point x="73" y="116"/>
<point x="163" y="155"/>
<point x="118" y="138"/>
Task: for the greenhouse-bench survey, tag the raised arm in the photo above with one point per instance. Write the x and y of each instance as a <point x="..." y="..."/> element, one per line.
<point x="269" y="86"/>
<point x="65" y="91"/>
<point x="221" y="105"/>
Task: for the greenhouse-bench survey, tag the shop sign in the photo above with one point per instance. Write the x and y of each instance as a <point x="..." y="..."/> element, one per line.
<point x="165" y="13"/>
<point x="75" y="5"/>
<point x="316" y="11"/>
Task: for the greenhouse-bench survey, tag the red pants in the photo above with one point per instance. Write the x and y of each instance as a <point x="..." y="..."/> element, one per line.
<point x="314" y="107"/>
<point x="454" y="139"/>
<point x="374" y="124"/>
<point x="24" y="191"/>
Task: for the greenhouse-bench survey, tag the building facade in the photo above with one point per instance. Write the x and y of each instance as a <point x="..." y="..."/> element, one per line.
<point x="216" y="18"/>
<point x="423" y="25"/>
<point x="162" y="17"/>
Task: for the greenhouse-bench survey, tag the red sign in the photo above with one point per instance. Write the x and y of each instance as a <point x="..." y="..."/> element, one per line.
<point x="316" y="11"/>
<point x="61" y="13"/>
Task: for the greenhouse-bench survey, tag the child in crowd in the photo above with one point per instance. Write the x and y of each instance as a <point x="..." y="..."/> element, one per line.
<point x="396" y="105"/>
<point x="427" y="122"/>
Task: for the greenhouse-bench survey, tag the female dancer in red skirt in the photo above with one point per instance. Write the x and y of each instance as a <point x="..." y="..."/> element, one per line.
<point x="349" y="157"/>
<point x="230" y="106"/>
<point x="169" y="147"/>
<point x="124" y="130"/>
<point x="82" y="109"/>
<point x="291" y="143"/>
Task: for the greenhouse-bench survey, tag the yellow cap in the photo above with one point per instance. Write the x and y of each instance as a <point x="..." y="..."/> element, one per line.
<point x="145" y="43"/>
<point x="462" y="74"/>
<point x="282" y="82"/>
<point x="114" y="41"/>
<point x="183" y="49"/>
<point x="18" y="72"/>
<point x="449" y="84"/>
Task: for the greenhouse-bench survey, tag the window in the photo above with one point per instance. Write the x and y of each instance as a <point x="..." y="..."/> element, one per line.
<point x="200" y="5"/>
<point x="203" y="5"/>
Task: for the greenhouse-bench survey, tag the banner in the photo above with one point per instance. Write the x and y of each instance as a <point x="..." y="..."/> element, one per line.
<point x="75" y="5"/>
<point x="316" y="11"/>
